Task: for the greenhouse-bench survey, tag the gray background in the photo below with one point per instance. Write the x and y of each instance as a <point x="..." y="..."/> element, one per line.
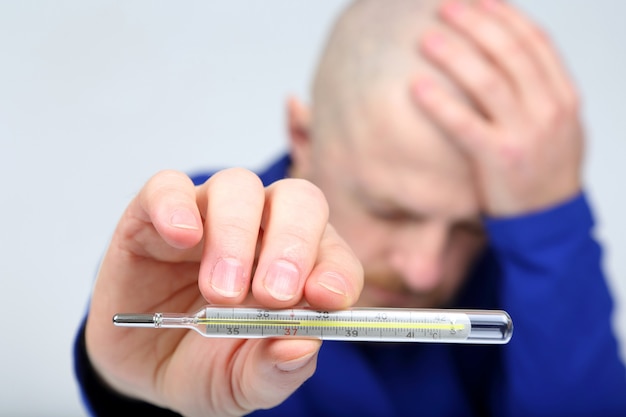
<point x="97" y="96"/>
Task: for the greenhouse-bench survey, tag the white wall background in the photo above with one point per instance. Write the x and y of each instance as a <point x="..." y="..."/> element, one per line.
<point x="97" y="96"/>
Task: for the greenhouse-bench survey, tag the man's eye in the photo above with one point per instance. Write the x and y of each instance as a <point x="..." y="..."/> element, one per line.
<point x="471" y="228"/>
<point x="390" y="215"/>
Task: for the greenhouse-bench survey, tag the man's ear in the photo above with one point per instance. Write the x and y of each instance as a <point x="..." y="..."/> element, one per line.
<point x="299" y="129"/>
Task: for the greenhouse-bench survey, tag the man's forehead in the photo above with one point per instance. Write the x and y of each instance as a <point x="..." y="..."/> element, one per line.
<point x="388" y="125"/>
<point x="416" y="189"/>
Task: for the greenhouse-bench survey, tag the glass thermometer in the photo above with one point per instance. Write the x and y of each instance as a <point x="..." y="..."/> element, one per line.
<point x="355" y="324"/>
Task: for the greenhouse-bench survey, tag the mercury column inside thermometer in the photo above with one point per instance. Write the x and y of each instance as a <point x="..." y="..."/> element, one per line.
<point x="356" y="324"/>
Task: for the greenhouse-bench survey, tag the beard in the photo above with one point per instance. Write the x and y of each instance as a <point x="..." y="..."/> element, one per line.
<point x="388" y="290"/>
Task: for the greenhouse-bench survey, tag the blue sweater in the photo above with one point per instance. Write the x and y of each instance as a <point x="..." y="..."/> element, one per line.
<point x="544" y="269"/>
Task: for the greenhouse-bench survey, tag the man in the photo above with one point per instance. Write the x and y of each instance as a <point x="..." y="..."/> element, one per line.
<point x="438" y="166"/>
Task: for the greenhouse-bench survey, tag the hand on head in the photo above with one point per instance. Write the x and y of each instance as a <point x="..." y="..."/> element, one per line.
<point x="412" y="148"/>
<point x="520" y="126"/>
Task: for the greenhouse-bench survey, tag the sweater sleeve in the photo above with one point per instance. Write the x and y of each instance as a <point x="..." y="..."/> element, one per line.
<point x="563" y="359"/>
<point x="98" y="398"/>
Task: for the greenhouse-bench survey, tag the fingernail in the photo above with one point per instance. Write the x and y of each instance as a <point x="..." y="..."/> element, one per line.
<point x="295" y="364"/>
<point x="434" y="42"/>
<point x="184" y="219"/>
<point x="333" y="283"/>
<point x="422" y="88"/>
<point x="227" y="278"/>
<point x="453" y="9"/>
<point x="282" y="280"/>
<point x="489" y="4"/>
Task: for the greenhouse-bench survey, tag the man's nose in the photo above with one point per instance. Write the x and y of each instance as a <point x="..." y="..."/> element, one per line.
<point x="418" y="255"/>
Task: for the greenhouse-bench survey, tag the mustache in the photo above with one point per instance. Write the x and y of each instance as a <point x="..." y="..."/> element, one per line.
<point x="395" y="284"/>
<point x="388" y="282"/>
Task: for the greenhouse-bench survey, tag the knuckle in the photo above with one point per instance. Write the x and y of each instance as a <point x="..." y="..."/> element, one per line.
<point x="236" y="227"/>
<point x="573" y="101"/>
<point x="166" y="177"/>
<point x="164" y="184"/>
<point x="463" y="125"/>
<point x="336" y="246"/>
<point x="510" y="47"/>
<point x="297" y="218"/>
<point x="234" y="192"/>
<point x="512" y="154"/>
<point x="514" y="142"/>
<point x="303" y="194"/>
<point x="552" y="116"/>
<point x="296" y="244"/>
<point x="237" y="177"/>
<point x="489" y="82"/>
<point x="464" y="129"/>
<point x="539" y="34"/>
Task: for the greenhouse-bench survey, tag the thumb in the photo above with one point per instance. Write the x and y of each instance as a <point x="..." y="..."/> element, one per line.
<point x="275" y="369"/>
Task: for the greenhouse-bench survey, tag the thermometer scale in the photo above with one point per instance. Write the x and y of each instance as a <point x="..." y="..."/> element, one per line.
<point x="355" y="324"/>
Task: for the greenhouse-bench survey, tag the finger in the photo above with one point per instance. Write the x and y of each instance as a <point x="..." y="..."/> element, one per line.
<point x="517" y="60"/>
<point x="163" y="216"/>
<point x="337" y="279"/>
<point x="295" y="216"/>
<point x="520" y="46"/>
<point x="461" y="124"/>
<point x="474" y="73"/>
<point x="537" y="40"/>
<point x="274" y="370"/>
<point x="232" y="202"/>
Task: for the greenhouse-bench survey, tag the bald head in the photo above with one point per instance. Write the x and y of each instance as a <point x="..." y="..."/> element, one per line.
<point x="372" y="42"/>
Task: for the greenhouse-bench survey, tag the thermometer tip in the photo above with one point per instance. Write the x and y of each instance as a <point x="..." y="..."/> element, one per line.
<point x="134" y="320"/>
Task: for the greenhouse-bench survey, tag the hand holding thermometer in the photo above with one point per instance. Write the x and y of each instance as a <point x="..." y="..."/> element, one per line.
<point x="355" y="324"/>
